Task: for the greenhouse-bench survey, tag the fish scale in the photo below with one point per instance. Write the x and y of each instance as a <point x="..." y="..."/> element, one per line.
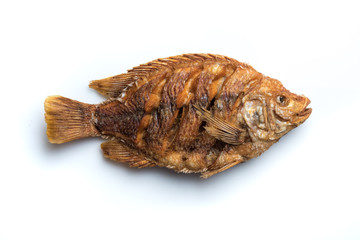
<point x="193" y="113"/>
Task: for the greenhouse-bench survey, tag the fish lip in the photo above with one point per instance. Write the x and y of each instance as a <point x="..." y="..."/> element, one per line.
<point x="305" y="112"/>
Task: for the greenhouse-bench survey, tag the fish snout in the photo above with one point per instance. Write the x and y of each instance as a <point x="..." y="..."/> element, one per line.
<point x="304" y="112"/>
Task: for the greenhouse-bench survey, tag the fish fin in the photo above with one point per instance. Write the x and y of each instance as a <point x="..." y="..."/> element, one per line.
<point x="118" y="152"/>
<point x="68" y="119"/>
<point x="210" y="173"/>
<point x="112" y="87"/>
<point x="220" y="128"/>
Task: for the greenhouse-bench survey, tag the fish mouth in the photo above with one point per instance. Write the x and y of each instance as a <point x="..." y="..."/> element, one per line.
<point x="305" y="113"/>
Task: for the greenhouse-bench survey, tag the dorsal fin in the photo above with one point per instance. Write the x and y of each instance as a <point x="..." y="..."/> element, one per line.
<point x="112" y="87"/>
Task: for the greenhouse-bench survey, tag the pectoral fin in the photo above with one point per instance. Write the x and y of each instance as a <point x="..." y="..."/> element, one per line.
<point x="118" y="152"/>
<point x="221" y="129"/>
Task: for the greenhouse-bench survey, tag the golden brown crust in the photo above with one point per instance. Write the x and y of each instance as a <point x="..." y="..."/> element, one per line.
<point x="112" y="87"/>
<point x="156" y="113"/>
<point x="191" y="113"/>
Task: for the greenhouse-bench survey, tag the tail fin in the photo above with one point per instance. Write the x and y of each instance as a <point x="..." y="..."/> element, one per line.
<point x="68" y="119"/>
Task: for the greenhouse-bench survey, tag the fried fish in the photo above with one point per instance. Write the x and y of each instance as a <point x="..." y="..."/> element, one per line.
<point x="193" y="113"/>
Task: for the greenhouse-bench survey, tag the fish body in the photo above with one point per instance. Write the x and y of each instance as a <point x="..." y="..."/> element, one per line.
<point x="193" y="113"/>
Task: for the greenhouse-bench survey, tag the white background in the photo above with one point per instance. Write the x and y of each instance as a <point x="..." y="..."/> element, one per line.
<point x="304" y="187"/>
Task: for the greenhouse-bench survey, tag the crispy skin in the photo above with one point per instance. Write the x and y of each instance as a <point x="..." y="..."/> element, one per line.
<point x="191" y="113"/>
<point x="157" y="118"/>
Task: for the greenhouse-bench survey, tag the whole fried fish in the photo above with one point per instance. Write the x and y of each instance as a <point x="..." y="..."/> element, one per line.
<point x="193" y="113"/>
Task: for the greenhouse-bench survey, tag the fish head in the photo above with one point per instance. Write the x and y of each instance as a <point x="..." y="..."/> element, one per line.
<point x="271" y="111"/>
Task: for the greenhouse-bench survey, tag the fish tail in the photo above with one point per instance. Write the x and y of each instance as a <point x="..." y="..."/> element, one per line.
<point x="68" y="119"/>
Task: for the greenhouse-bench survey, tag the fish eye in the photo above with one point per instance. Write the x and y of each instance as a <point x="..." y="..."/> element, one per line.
<point x="282" y="100"/>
